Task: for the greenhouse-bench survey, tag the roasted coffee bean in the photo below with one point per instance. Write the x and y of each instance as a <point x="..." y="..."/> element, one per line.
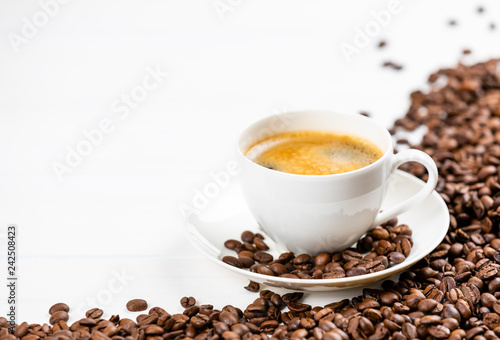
<point x="247" y="236"/>
<point x="396" y="257"/>
<point x="58" y="316"/>
<point x="187" y="302"/>
<point x="59" y="307"/>
<point x="253" y="287"/>
<point x="94" y="313"/>
<point x="388" y="298"/>
<point x="137" y="305"/>
<point x="264" y="270"/>
<point x="427" y="305"/>
<point x="228" y="318"/>
<point x="298" y="307"/>
<point x="232" y="261"/>
<point x="263" y="257"/>
<point x="368" y="304"/>
<point x="233" y="244"/>
<point x="260" y="244"/>
<point x="246" y="262"/>
<point x="355" y="271"/>
<point x="463" y="308"/>
<point x="438" y="331"/>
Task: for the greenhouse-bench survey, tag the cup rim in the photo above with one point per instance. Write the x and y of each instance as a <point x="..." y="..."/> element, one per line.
<point x="388" y="150"/>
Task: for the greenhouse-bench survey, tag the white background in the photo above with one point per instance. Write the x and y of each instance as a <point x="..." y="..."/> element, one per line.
<point x="111" y="230"/>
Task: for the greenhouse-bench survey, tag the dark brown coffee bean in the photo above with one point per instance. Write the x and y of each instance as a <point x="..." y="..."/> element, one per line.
<point x="463" y="308"/>
<point x="260" y="244"/>
<point x="430" y="320"/>
<point x="230" y="335"/>
<point x="200" y="321"/>
<point x="451" y="323"/>
<point x="137" y="305"/>
<point x="409" y="330"/>
<point x="427" y="305"/>
<point x="368" y="304"/>
<point x="247" y="236"/>
<point x="31" y="337"/>
<point x="302" y="259"/>
<point x="322" y="259"/>
<point x="263" y="257"/>
<point x="240" y="329"/>
<point x="246" y="262"/>
<point x="153" y="330"/>
<point x="494" y="285"/>
<point x="59" y="307"/>
<point x="188" y="301"/>
<point x="474" y="332"/>
<point x="412" y="300"/>
<point x="87" y="322"/>
<point x="298" y="307"/>
<point x="388" y="298"/>
<point x="220" y="327"/>
<point x="94" y="313"/>
<point x="380" y="233"/>
<point x="438" y="331"/>
<point x="22" y="330"/>
<point x="58" y="316"/>
<point x="232" y="261"/>
<point x="269" y="326"/>
<point x="264" y="270"/>
<point x="228" y="318"/>
<point x="406" y="247"/>
<point x="247" y="246"/>
<point x="253" y="287"/>
<point x="471" y="292"/>
<point x="356" y="271"/>
<point x="396" y="257"/>
<point x="147" y="319"/>
<point x="233" y="244"/>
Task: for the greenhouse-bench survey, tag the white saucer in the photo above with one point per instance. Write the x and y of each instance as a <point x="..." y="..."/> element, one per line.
<point x="429" y="222"/>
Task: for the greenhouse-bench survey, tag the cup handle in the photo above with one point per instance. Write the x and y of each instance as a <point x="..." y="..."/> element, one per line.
<point x="404" y="156"/>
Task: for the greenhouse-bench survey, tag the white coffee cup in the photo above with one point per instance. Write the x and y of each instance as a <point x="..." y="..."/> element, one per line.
<point x="325" y="213"/>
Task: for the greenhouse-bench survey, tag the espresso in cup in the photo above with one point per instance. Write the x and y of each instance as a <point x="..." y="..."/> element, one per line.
<point x="311" y="152"/>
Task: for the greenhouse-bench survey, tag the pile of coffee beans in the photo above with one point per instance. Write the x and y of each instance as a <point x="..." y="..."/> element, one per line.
<point x="377" y="250"/>
<point x="263" y="319"/>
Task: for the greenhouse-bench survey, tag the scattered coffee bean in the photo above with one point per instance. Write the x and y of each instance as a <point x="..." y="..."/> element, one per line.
<point x="187" y="302"/>
<point x="137" y="305"/>
<point x="94" y="313"/>
<point x="393" y="65"/>
<point x="253" y="287"/>
<point x="59" y="307"/>
<point x="233" y="261"/>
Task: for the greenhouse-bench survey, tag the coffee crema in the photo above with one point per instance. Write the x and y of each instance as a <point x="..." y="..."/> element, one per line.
<point x="311" y="152"/>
